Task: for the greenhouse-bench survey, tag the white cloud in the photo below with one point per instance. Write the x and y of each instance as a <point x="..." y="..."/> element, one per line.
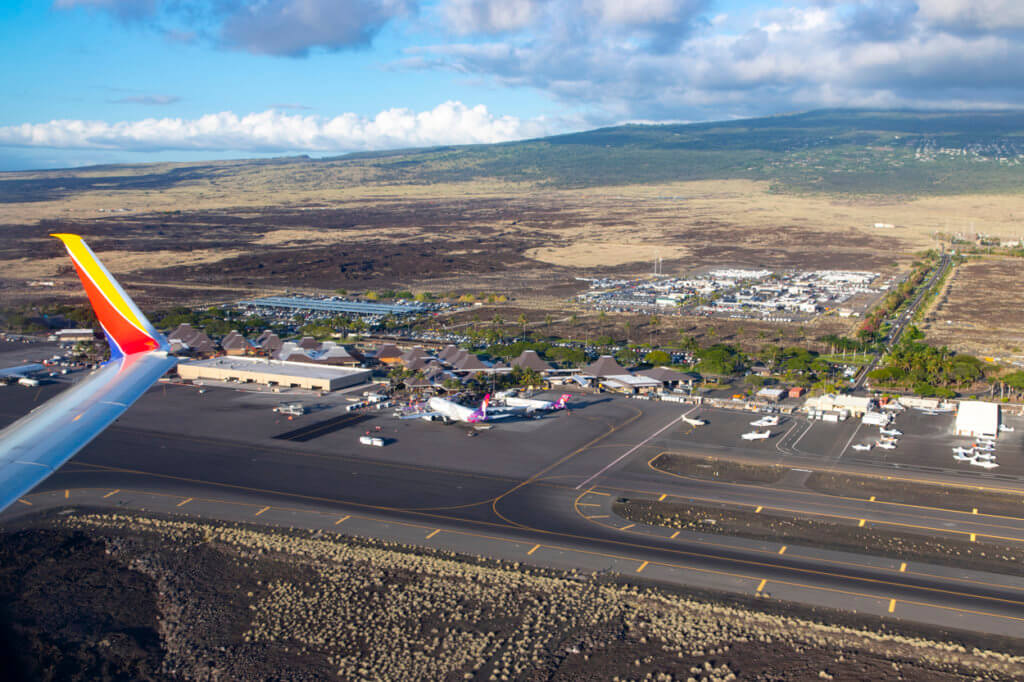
<point x="640" y="11"/>
<point x="489" y="16"/>
<point x="274" y="131"/>
<point x="982" y="15"/>
<point x="808" y="54"/>
<point x="289" y="28"/>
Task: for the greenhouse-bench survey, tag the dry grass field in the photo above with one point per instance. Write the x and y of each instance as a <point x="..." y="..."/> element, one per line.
<point x="981" y="311"/>
<point x="204" y="233"/>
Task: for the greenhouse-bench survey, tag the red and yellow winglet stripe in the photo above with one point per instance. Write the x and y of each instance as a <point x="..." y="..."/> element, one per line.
<point x="126" y="327"/>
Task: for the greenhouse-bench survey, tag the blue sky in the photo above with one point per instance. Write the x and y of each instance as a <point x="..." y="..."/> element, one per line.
<point x="97" y="81"/>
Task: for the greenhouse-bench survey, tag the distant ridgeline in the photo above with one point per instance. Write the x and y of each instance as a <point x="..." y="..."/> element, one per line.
<point x="896" y="153"/>
<point x="845" y="151"/>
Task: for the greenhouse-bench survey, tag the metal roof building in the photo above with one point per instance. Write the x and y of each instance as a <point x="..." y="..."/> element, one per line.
<point x="975" y="419"/>
<point x="331" y="305"/>
<point x="273" y="373"/>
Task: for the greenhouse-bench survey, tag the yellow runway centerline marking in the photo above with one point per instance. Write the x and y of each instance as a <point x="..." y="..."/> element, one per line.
<point x="433" y="533"/>
<point x="662" y="498"/>
<point x="535" y="548"/>
<point x="262" y="510"/>
<point x="674" y="535"/>
<point x="783" y="550"/>
<point x="642" y="566"/>
<point x="892" y="605"/>
<point x="763" y="583"/>
<point x="112" y="493"/>
<point x="903" y="567"/>
<point x="185" y="501"/>
<point x="24" y="501"/>
<point x="343" y="519"/>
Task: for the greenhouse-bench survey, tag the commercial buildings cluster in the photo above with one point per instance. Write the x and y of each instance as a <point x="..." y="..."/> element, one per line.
<point x="739" y="293"/>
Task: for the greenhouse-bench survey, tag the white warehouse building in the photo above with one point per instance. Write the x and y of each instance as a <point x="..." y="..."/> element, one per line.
<point x="976" y="419"/>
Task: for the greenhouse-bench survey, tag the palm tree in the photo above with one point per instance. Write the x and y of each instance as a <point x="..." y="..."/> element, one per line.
<point x="522" y="322"/>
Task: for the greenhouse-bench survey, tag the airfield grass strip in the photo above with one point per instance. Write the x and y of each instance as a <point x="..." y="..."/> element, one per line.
<point x="985" y="556"/>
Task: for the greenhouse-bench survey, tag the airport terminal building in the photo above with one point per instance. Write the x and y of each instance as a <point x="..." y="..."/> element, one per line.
<point x="273" y="373"/>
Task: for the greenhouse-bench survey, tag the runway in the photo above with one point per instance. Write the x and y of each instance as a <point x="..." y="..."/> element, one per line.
<point x="533" y="491"/>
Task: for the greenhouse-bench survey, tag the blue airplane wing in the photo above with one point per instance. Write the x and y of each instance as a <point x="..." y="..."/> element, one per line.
<point x="34" y="447"/>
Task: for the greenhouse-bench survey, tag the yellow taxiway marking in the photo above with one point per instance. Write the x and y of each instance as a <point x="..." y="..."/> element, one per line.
<point x="892" y="605"/>
<point x="24" y="501"/>
<point x="67" y="494"/>
<point x="112" y="493"/>
<point x="77" y="417"/>
<point x="343" y="519"/>
<point x="587" y="504"/>
<point x="262" y="510"/>
<point x="783" y="550"/>
<point x="535" y="548"/>
<point x="974" y="536"/>
<point x="674" y="535"/>
<point x="185" y="501"/>
<point x="758" y="510"/>
<point x="763" y="583"/>
<point x="650" y="464"/>
<point x="594" y="492"/>
<point x="598" y="517"/>
<point x="628" y="527"/>
<point x="861" y="524"/>
<point x="903" y="567"/>
<point x="433" y="533"/>
<point x="895" y="524"/>
<point x="871" y="499"/>
<point x="662" y="498"/>
<point x="642" y="566"/>
<point x="957" y="609"/>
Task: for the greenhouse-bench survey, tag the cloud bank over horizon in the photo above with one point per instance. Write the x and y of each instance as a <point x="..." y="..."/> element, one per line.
<point x="541" y="66"/>
<point x="274" y="131"/>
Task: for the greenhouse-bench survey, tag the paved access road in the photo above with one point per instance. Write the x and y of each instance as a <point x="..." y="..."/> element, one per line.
<point x="534" y="491"/>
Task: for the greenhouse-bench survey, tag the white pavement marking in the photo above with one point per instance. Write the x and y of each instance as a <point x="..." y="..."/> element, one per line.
<point x="630" y="452"/>
<point x="852" y="436"/>
<point x="778" y="443"/>
<point x="810" y="425"/>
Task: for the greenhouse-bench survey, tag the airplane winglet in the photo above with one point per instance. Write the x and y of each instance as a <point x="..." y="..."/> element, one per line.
<point x="127" y="329"/>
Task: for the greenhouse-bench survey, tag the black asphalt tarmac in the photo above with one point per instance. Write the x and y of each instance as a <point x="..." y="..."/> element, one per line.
<point x="542" y="483"/>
